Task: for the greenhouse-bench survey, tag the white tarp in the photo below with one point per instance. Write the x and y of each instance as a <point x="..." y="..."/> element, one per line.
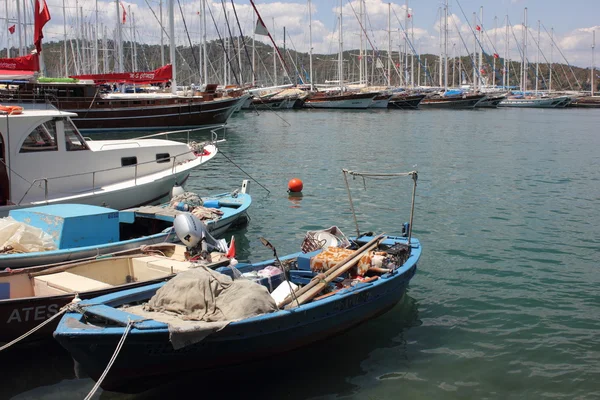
<point x="23" y="238"/>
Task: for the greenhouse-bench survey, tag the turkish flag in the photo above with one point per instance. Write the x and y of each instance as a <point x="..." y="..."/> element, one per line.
<point x="478" y="27"/>
<point x="41" y="17"/>
<point x="11" y="29"/>
<point x="496" y="55"/>
<point x="123" y="19"/>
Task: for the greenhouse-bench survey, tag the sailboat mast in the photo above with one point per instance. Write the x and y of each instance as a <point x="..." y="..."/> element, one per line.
<point x="474" y="53"/>
<point x="495" y="50"/>
<point x="480" y="65"/>
<point x="310" y="46"/>
<point x="524" y="79"/>
<point x="119" y="38"/>
<point x="360" y="53"/>
<point x="507" y="57"/>
<point x="131" y="34"/>
<point x="551" y="55"/>
<point x="204" y="56"/>
<point x="341" y="54"/>
<point x="96" y="40"/>
<point x="446" y="46"/>
<point x="406" y="42"/>
<point x="412" y="54"/>
<point x="592" y="72"/>
<point x="537" y="61"/>
<point x="172" y="47"/>
<point x="7" y="29"/>
<point x="389" y="60"/>
<point x="254" y="50"/>
<point x="441" y="49"/>
<point x="162" y="34"/>
<point x="65" y="40"/>
<point x="19" y="28"/>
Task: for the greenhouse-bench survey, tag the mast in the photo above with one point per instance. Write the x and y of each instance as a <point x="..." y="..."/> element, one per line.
<point x="131" y="35"/>
<point x="360" y="53"/>
<point x="406" y="42"/>
<point x="446" y="46"/>
<point x="506" y="57"/>
<point x="65" y="40"/>
<point x="441" y="50"/>
<point x="551" y="51"/>
<point x="524" y="78"/>
<point x="310" y="46"/>
<point x="135" y="61"/>
<point x="25" y="13"/>
<point x="171" y="47"/>
<point x="389" y="60"/>
<point x="474" y="53"/>
<point x="204" y="57"/>
<point x="341" y="53"/>
<point x="412" y="54"/>
<point x="119" y="38"/>
<point x="19" y="28"/>
<point x="481" y="49"/>
<point x="162" y="35"/>
<point x="7" y="27"/>
<point x="537" y="61"/>
<point x="592" y="72"/>
<point x="495" y="50"/>
<point x="96" y="40"/>
<point x="254" y="50"/>
<point x="104" y="50"/>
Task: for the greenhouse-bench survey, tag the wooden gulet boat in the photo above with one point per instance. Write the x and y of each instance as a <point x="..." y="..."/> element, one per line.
<point x="317" y="302"/>
<point x="406" y="101"/>
<point x="339" y="100"/>
<point x="466" y="101"/>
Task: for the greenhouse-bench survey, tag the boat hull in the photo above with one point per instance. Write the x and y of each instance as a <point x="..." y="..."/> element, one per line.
<point x="353" y="101"/>
<point x="118" y="114"/>
<point x="148" y="356"/>
<point x="466" y="102"/>
<point x="551" y="102"/>
<point x="406" y="102"/>
<point x="216" y="227"/>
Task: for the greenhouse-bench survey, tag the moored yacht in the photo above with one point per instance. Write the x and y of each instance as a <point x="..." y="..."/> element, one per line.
<point x="45" y="160"/>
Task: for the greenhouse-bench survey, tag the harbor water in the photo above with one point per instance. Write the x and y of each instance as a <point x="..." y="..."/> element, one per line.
<point x="505" y="303"/>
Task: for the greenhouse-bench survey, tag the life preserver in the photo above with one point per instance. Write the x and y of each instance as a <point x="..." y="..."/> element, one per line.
<point x="11" y="110"/>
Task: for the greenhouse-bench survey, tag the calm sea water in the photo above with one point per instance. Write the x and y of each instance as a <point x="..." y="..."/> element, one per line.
<point x="505" y="303"/>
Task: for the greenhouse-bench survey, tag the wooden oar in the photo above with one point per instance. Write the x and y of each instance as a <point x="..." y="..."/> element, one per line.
<point x="318" y="283"/>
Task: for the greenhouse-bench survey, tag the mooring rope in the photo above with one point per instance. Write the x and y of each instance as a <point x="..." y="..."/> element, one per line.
<point x="240" y="168"/>
<point x="112" y="360"/>
<point x="40" y="326"/>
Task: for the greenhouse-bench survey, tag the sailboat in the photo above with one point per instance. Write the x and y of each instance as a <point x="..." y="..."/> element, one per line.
<point x="339" y="97"/>
<point x="100" y="110"/>
<point x="454" y="99"/>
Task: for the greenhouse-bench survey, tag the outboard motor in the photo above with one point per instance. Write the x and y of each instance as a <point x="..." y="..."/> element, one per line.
<point x="193" y="232"/>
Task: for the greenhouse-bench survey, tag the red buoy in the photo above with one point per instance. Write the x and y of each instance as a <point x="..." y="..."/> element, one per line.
<point x="295" y="185"/>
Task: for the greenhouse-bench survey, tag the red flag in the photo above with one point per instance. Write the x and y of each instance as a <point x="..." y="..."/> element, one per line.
<point x="11" y="29"/>
<point x="123" y="19"/>
<point x="408" y="16"/>
<point x="231" y="251"/>
<point x="41" y="16"/>
<point x="478" y="27"/>
<point x="496" y="55"/>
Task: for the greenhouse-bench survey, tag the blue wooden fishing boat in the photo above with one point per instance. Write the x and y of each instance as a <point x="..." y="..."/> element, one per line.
<point x="126" y="348"/>
<point x="81" y="231"/>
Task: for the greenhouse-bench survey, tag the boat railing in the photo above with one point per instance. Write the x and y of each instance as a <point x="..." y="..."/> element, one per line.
<point x="46" y="181"/>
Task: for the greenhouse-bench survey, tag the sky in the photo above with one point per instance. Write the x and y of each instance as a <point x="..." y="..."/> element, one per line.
<point x="572" y="23"/>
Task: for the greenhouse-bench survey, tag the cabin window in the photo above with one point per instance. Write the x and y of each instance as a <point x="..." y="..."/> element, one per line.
<point x="162" y="157"/>
<point x="42" y="138"/>
<point x="125" y="161"/>
<point x="73" y="139"/>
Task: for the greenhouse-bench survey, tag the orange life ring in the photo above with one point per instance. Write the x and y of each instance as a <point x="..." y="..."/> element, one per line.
<point x="10" y="110"/>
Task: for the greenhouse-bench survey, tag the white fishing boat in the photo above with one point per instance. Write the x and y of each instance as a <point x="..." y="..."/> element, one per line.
<point x="45" y="160"/>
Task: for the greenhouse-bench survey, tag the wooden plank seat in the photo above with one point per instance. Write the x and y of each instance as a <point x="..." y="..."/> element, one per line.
<point x="67" y="282"/>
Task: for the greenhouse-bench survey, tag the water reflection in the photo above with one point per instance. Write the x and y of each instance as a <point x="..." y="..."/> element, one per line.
<point x="295" y="198"/>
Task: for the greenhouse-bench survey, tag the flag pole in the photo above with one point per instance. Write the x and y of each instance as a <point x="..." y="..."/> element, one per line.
<point x="260" y="21"/>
